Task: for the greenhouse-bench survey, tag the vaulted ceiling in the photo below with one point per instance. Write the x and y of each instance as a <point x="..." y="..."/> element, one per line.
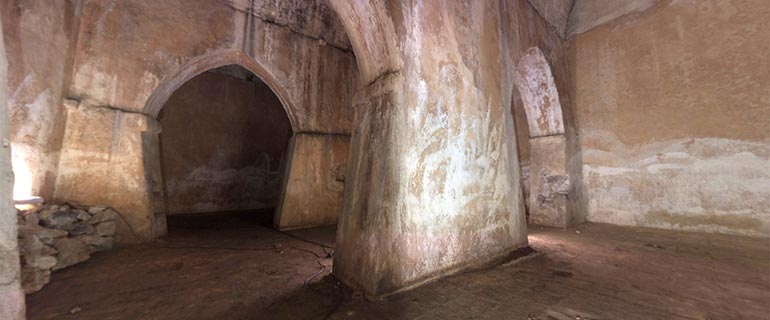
<point x="570" y="17"/>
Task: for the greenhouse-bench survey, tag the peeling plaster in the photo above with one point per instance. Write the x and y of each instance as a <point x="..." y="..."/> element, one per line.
<point x="701" y="184"/>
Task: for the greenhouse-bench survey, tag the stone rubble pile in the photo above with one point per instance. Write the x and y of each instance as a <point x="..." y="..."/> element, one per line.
<point x="53" y="237"/>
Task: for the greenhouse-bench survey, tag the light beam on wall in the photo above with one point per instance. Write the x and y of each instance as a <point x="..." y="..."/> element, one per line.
<point x="22" y="185"/>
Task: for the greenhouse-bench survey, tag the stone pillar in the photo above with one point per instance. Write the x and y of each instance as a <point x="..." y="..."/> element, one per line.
<point x="11" y="296"/>
<point x="313" y="181"/>
<point x="102" y="163"/>
<point x="432" y="177"/>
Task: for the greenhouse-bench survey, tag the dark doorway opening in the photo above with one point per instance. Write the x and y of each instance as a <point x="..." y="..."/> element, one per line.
<point x="223" y="150"/>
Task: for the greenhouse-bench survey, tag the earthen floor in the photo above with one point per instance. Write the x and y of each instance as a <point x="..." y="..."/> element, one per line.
<point x="234" y="266"/>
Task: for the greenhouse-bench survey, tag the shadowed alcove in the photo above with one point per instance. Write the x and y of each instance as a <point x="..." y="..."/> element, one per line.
<point x="223" y="144"/>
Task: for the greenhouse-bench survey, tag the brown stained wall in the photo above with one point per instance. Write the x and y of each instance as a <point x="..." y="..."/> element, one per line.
<point x="433" y="181"/>
<point x="102" y="162"/>
<point x="11" y="295"/>
<point x="433" y="185"/>
<point x="127" y="49"/>
<point x="672" y="106"/>
<point x="40" y="38"/>
<point x="313" y="187"/>
<point x="223" y="142"/>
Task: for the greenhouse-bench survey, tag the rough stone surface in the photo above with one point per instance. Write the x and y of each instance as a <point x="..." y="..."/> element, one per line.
<point x="98" y="243"/>
<point x="35" y="279"/>
<point x="83" y="228"/>
<point x="37" y="255"/>
<point x="96" y="209"/>
<point x="671" y="117"/>
<point x="103" y="215"/>
<point x="106" y="228"/>
<point x="83" y="215"/>
<point x="59" y="219"/>
<point x="48" y="246"/>
<point x="70" y="251"/>
<point x="46" y="235"/>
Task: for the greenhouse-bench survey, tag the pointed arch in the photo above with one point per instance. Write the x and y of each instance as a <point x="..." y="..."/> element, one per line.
<point x="200" y="64"/>
<point x="534" y="81"/>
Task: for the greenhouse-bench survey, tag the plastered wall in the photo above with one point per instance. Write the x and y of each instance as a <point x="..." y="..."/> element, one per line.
<point x="130" y="53"/>
<point x="662" y="113"/>
<point x="673" y="107"/>
<point x="127" y="48"/>
<point x="433" y="181"/>
<point x="40" y="39"/>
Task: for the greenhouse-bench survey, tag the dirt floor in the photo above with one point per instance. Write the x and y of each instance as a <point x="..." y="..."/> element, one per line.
<point x="234" y="266"/>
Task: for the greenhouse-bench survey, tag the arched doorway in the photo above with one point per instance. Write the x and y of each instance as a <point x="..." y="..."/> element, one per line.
<point x="186" y="182"/>
<point x="313" y="165"/>
<point x="223" y="144"/>
<point x="542" y="145"/>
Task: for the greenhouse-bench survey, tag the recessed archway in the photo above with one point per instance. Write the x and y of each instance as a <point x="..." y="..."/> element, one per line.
<point x="210" y="61"/>
<point x="544" y="167"/>
<point x="223" y="144"/>
<point x="179" y="188"/>
<point x="314" y="168"/>
<point x="372" y="35"/>
<point x="540" y="98"/>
